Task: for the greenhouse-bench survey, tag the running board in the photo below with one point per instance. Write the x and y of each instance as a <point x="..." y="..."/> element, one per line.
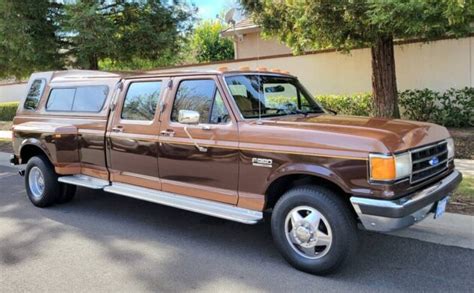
<point x="84" y="181"/>
<point x="206" y="207"/>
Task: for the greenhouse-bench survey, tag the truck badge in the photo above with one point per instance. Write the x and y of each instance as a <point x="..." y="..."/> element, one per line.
<point x="261" y="162"/>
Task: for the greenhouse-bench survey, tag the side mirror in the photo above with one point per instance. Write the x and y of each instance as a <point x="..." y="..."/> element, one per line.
<point x="188" y="117"/>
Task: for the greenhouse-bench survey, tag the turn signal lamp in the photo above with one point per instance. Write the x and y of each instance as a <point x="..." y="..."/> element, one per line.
<point x="389" y="168"/>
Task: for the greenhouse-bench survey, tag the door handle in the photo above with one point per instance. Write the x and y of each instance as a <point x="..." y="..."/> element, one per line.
<point x="168" y="132"/>
<point x="117" y="129"/>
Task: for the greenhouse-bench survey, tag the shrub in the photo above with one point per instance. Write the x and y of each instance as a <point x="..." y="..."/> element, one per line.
<point x="8" y="111"/>
<point x="453" y="108"/>
<point x="358" y="104"/>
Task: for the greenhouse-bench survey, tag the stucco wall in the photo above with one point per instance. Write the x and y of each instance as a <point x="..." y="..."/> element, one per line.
<point x="437" y="65"/>
<point x="12" y="92"/>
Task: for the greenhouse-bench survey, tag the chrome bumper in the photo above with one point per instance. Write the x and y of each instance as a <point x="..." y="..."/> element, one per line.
<point x="389" y="215"/>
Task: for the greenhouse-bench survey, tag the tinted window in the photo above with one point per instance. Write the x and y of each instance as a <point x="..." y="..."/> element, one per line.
<point x="60" y="99"/>
<point x="219" y="112"/>
<point x="34" y="94"/>
<point x="265" y="96"/>
<point x="141" y="100"/>
<point x="80" y="99"/>
<point x="199" y="95"/>
<point x="89" y="98"/>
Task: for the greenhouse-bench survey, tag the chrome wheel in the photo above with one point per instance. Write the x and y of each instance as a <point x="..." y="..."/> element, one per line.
<point x="308" y="232"/>
<point x="36" y="182"/>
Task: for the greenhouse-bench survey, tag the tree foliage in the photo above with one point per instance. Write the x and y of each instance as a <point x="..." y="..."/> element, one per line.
<point x="207" y="44"/>
<point x="124" y="31"/>
<point x="28" y="39"/>
<point x="349" y="24"/>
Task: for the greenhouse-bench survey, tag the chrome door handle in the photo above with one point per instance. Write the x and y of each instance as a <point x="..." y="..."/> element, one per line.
<point x="117" y="129"/>
<point x="167" y="132"/>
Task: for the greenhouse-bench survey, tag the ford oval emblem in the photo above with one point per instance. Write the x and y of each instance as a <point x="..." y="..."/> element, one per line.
<point x="434" y="161"/>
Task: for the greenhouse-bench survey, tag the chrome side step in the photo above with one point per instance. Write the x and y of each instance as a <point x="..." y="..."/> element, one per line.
<point x="84" y="181"/>
<point x="207" y="207"/>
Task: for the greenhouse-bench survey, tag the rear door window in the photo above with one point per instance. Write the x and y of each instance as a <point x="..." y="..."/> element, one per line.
<point x="141" y="101"/>
<point x="34" y="94"/>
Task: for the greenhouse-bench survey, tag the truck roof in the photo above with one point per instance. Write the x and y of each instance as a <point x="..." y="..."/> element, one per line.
<point x="76" y="74"/>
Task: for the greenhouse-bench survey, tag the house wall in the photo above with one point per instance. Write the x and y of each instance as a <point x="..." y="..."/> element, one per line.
<point x="438" y="65"/>
<point x="251" y="45"/>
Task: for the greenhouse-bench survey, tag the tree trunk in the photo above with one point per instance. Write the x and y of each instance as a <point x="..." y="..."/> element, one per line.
<point x="93" y="62"/>
<point x="384" y="81"/>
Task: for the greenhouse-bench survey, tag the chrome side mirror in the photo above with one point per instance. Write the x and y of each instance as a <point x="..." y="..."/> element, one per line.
<point x="188" y="117"/>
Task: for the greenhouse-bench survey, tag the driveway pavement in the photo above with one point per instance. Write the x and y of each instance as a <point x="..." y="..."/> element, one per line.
<point x="103" y="243"/>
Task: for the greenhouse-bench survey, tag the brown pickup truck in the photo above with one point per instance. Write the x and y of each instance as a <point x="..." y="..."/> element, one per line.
<point x="233" y="144"/>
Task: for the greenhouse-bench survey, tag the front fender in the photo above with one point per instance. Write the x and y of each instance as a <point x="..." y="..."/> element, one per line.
<point x="311" y="169"/>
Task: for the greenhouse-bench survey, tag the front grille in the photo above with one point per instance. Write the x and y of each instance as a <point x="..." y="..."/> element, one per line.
<point x="429" y="161"/>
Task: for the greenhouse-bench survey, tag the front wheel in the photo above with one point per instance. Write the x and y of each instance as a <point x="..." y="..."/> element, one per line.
<point x="313" y="229"/>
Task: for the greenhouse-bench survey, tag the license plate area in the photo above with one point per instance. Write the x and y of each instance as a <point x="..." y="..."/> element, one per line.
<point x="441" y="207"/>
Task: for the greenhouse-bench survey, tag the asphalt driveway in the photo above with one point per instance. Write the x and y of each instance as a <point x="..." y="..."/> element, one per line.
<point x="102" y="243"/>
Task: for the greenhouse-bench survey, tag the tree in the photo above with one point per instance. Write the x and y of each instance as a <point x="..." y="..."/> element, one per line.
<point x="208" y="45"/>
<point x="28" y="39"/>
<point x="124" y="31"/>
<point x="349" y="24"/>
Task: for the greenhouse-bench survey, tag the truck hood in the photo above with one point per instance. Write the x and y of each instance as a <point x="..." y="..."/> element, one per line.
<point x="364" y="133"/>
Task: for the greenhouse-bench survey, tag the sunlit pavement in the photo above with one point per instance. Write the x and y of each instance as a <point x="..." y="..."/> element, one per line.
<point x="102" y="243"/>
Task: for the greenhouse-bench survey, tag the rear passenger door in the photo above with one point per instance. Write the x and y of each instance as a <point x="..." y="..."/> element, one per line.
<point x="212" y="172"/>
<point x="133" y="134"/>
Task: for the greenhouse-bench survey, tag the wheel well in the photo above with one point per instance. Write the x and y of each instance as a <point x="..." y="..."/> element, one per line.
<point x="281" y="185"/>
<point x="29" y="151"/>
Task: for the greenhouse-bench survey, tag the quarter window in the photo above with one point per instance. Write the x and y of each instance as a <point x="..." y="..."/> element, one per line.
<point x="203" y="97"/>
<point x="34" y="94"/>
<point x="80" y="99"/>
<point x="141" y="101"/>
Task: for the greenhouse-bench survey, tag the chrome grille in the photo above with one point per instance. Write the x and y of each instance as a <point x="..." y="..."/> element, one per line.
<point x="428" y="161"/>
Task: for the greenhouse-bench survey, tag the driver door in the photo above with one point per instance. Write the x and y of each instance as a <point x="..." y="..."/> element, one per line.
<point x="210" y="171"/>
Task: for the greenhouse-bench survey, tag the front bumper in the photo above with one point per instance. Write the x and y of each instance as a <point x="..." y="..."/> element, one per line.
<point x="389" y="215"/>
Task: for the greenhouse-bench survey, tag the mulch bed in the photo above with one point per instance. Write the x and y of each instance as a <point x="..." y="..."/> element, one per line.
<point x="461" y="206"/>
<point x="463" y="142"/>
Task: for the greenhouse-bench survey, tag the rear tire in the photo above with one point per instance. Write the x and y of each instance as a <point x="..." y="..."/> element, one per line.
<point x="67" y="194"/>
<point x="41" y="182"/>
<point x="314" y="230"/>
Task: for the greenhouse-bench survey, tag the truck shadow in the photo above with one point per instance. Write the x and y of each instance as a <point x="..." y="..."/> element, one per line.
<point x="167" y="249"/>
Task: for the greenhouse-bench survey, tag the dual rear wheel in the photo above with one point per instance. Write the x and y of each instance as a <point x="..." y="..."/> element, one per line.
<point x="42" y="186"/>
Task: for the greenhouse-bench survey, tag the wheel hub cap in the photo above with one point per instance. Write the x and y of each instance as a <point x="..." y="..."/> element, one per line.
<point x="308" y="232"/>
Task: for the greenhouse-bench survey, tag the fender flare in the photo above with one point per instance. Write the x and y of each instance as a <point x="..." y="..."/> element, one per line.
<point x="307" y="169"/>
<point x="36" y="143"/>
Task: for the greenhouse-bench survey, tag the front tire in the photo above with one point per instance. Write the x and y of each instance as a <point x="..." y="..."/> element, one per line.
<point x="41" y="182"/>
<point x="313" y="229"/>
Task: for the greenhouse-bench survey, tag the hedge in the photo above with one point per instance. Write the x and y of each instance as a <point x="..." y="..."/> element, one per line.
<point x="8" y="111"/>
<point x="452" y="108"/>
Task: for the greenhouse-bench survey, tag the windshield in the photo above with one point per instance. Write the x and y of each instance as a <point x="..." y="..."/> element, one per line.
<point x="270" y="96"/>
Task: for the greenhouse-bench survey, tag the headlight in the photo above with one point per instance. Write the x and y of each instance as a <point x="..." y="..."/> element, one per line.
<point x="389" y="168"/>
<point x="450" y="142"/>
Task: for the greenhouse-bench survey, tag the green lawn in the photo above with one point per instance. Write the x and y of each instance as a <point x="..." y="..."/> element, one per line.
<point x="5" y="125"/>
<point x="466" y="189"/>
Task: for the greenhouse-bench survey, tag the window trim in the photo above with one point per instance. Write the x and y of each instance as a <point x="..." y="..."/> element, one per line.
<point x="40" y="96"/>
<point x="74" y="98"/>
<point x="212" y="105"/>
<point x="140" y="121"/>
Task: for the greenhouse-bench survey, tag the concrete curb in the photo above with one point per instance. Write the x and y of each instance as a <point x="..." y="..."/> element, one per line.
<point x="451" y="229"/>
